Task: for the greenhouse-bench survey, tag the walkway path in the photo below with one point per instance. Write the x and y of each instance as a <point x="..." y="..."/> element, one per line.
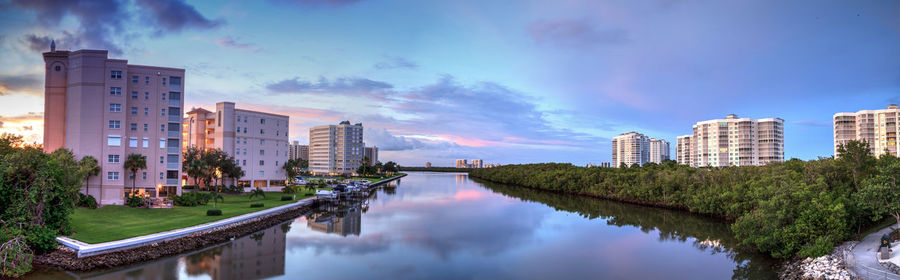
<point x="863" y="261"/>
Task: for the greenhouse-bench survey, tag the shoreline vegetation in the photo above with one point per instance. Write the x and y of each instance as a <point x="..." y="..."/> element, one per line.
<point x="791" y="209"/>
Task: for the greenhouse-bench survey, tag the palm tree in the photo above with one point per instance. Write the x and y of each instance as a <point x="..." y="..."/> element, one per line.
<point x="257" y="193"/>
<point x="133" y="163"/>
<point x="88" y="167"/>
<point x="216" y="197"/>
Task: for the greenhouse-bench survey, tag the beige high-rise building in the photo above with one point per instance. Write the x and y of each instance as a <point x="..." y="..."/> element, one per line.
<point x="683" y="149"/>
<point x="297" y="151"/>
<point x="877" y="127"/>
<point x="106" y="108"/>
<point x="733" y="141"/>
<point x="372" y="154"/>
<point x="336" y="149"/>
<point x="257" y="140"/>
<point x="635" y="148"/>
<point x="428" y="164"/>
<point x="461" y="163"/>
<point x="476" y="163"/>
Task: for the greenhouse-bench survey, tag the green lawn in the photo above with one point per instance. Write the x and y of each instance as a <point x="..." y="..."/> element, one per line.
<point x="115" y="222"/>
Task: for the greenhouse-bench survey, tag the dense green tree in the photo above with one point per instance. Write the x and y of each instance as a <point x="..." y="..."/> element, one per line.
<point x="856" y="156"/>
<point x="88" y="167"/>
<point x="880" y="195"/>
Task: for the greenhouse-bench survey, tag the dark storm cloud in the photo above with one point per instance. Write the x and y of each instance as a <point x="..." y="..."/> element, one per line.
<point x="175" y="16"/>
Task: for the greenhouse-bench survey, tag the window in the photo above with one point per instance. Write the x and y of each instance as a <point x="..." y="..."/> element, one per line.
<point x="147" y="80"/>
<point x="134" y="79"/>
<point x="245" y="140"/>
<point x="116" y="91"/>
<point x="245" y="130"/>
<point x="162" y="128"/>
<point x="162" y="142"/>
<point x="162" y="112"/>
<point x="175" y="81"/>
<point x="112" y="158"/>
<point x="262" y="153"/>
<point x="238" y="129"/>
<point x="262" y="131"/>
<point x="133" y="126"/>
<point x="164" y="81"/>
<point x="112" y="175"/>
<point x="262" y="121"/>
<point x="115" y="75"/>
<point x="262" y="141"/>
<point x="146" y="95"/>
<point x="145" y="143"/>
<point x="57" y="68"/>
<point x="114" y="141"/>
<point x="134" y="110"/>
<point x="146" y="111"/>
<point x="245" y="152"/>
<point x="161" y="161"/>
<point x="143" y="175"/>
<point x="132" y="142"/>
<point x="261" y="173"/>
<point x="262" y="162"/>
<point x="134" y="95"/>
<point x="244" y="162"/>
<point x="114" y="124"/>
<point x="161" y="175"/>
<point x="164" y="96"/>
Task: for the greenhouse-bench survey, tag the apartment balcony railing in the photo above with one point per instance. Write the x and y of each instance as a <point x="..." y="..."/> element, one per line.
<point x="172" y="165"/>
<point x="171" y="181"/>
<point x="173" y="150"/>
<point x="174" y="134"/>
<point x="174" y="102"/>
<point x="174" y="118"/>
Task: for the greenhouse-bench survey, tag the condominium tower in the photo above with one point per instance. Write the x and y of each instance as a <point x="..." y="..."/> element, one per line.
<point x="257" y="140"/>
<point x="336" y="149"/>
<point x="372" y="154"/>
<point x="106" y="108"/>
<point x="877" y="127"/>
<point x="476" y="163"/>
<point x="733" y="141"/>
<point x="635" y="148"/>
<point x="297" y="151"/>
<point x="462" y="163"/>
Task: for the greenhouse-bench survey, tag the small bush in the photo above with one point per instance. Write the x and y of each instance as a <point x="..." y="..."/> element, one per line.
<point x="233" y="189"/>
<point x="188" y="187"/>
<point x="286" y="198"/>
<point x="86" y="201"/>
<point x="42" y="239"/>
<point x="191" y="199"/>
<point x="134" y="201"/>
<point x="214" y="212"/>
<point x="256" y="205"/>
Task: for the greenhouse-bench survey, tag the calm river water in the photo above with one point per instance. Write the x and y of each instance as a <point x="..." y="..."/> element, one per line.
<point x="448" y="226"/>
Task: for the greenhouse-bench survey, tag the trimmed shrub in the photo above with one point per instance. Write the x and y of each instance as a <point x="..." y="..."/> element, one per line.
<point x="134" y="201"/>
<point x="214" y="212"/>
<point x="286" y="198"/>
<point x="256" y="205"/>
<point x="86" y="201"/>
<point x="42" y="239"/>
<point x="233" y="189"/>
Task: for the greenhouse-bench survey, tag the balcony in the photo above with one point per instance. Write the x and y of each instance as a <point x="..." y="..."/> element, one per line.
<point x="172" y="165"/>
<point x="174" y="103"/>
<point x="173" y="150"/>
<point x="174" y="118"/>
<point x="171" y="181"/>
<point x="174" y="134"/>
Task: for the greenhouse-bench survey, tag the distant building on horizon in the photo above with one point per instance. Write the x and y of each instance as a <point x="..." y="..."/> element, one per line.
<point x="106" y="108"/>
<point x="298" y="151"/>
<point x="733" y="141"/>
<point x="372" y="154"/>
<point x="257" y="140"/>
<point x="605" y="164"/>
<point x="336" y="149"/>
<point x="635" y="148"/>
<point x="428" y="164"/>
<point x="476" y="163"/>
<point x="879" y="128"/>
<point x="461" y="163"/>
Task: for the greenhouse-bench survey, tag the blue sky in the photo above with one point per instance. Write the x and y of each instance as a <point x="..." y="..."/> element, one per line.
<point x="505" y="81"/>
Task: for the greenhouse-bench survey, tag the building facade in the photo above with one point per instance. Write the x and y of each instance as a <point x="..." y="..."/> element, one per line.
<point x="683" y="149"/>
<point x="297" y="151"/>
<point x="336" y="149"/>
<point x="106" y="108"/>
<point x="428" y="164"/>
<point x="461" y="163"/>
<point x="476" y="163"/>
<point x="257" y="140"/>
<point x="372" y="154"/>
<point x="635" y="148"/>
<point x="877" y="127"/>
<point x="733" y="141"/>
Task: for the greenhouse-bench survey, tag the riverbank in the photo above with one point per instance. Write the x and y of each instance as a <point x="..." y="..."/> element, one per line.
<point x="66" y="258"/>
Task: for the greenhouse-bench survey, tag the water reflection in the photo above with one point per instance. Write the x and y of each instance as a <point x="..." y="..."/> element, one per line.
<point x="448" y="226"/>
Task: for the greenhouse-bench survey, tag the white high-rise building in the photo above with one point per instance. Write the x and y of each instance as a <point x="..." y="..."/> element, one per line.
<point x="733" y="141"/>
<point x="877" y="127"/>
<point x="336" y="149"/>
<point x="635" y="148"/>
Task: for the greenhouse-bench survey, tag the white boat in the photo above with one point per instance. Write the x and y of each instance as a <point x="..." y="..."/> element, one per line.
<point x="325" y="194"/>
